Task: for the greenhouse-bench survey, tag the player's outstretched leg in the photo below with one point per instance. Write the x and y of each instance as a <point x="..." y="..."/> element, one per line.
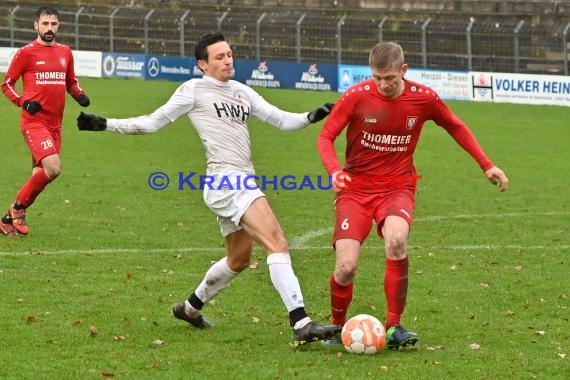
<point x="398" y="337"/>
<point x="313" y="332"/>
<point x="199" y="322"/>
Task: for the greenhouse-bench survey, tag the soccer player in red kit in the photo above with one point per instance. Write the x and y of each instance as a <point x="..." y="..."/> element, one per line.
<point x="384" y="117"/>
<point x="47" y="71"/>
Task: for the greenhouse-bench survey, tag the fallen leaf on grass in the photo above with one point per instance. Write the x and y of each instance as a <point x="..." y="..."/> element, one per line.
<point x="92" y="330"/>
<point x="474" y="346"/>
<point x="562" y="356"/>
<point x="433" y="348"/>
<point x="76" y="324"/>
<point x="107" y="375"/>
<point x="31" y="319"/>
<point x="158" y="342"/>
<point x="119" y="337"/>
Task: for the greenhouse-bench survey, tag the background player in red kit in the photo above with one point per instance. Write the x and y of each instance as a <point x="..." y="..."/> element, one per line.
<point x="384" y="117"/>
<point x="47" y="72"/>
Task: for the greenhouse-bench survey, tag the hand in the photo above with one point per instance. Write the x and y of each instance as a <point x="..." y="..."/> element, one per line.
<point x="341" y="181"/>
<point x="32" y="106"/>
<point x="83" y="100"/>
<point x="91" y="122"/>
<point x="497" y="176"/>
<point x="320" y="112"/>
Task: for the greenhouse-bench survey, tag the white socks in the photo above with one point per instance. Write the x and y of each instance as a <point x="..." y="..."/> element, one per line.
<point x="285" y="281"/>
<point x="216" y="279"/>
<point x="302" y="323"/>
<point x="282" y="276"/>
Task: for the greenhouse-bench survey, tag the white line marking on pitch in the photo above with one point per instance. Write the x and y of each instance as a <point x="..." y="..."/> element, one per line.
<point x="476" y="247"/>
<point x="298" y="243"/>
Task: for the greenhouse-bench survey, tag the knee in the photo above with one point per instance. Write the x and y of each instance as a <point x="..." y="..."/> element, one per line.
<point x="396" y="245"/>
<point x="345" y="271"/>
<point x="52" y="171"/>
<point x="239" y="263"/>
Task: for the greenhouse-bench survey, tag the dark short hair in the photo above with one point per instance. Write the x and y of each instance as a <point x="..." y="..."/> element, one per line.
<point x="46" y="10"/>
<point x="201" y="48"/>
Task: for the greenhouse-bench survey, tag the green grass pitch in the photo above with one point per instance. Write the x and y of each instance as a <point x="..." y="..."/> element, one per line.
<point x="87" y="294"/>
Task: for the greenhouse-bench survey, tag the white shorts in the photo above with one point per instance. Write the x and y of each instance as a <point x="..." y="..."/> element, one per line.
<point x="229" y="195"/>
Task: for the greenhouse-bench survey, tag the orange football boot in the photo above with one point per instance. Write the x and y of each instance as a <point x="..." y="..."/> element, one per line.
<point x="19" y="220"/>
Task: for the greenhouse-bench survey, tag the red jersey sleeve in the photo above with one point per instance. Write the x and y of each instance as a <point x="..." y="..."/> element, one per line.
<point x="72" y="84"/>
<point x="445" y="118"/>
<point x="334" y="125"/>
<point x="17" y="67"/>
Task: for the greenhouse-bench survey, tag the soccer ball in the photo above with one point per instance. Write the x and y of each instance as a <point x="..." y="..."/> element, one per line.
<point x="363" y="334"/>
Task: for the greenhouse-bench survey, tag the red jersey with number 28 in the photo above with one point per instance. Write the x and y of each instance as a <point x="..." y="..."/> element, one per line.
<point x="47" y="73"/>
<point x="382" y="133"/>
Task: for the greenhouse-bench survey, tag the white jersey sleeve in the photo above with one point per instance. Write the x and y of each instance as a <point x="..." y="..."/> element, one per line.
<point x="219" y="112"/>
<point x="180" y="103"/>
<point x="268" y="113"/>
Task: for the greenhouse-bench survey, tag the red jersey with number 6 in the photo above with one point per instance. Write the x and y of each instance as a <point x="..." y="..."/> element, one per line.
<point x="382" y="133"/>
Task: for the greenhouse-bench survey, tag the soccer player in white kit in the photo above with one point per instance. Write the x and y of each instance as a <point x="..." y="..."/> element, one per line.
<point x="219" y="108"/>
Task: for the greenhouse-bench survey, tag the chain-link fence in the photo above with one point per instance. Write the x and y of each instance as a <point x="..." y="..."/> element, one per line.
<point x="517" y="40"/>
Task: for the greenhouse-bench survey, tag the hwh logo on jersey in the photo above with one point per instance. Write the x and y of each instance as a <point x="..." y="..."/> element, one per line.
<point x="233" y="111"/>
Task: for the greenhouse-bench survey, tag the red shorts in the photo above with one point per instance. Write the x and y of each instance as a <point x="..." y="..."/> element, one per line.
<point x="354" y="212"/>
<point x="41" y="141"/>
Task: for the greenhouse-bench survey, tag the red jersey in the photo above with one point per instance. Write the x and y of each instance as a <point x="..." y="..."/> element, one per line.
<point x="47" y="73"/>
<point x="382" y="133"/>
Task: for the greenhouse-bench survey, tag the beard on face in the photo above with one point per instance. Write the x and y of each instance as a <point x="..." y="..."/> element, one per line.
<point x="47" y="36"/>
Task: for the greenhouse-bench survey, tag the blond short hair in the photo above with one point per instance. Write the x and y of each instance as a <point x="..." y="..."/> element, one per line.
<point x="386" y="55"/>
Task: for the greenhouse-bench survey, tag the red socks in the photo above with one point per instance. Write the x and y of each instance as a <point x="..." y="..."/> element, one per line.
<point x="35" y="185"/>
<point x="341" y="296"/>
<point x="396" y="289"/>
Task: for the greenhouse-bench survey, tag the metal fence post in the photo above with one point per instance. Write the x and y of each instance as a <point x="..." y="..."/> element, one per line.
<point x="565" y="49"/>
<point x="221" y="20"/>
<point x="381" y="28"/>
<point x="258" y="35"/>
<point x="112" y="30"/>
<point x="424" y="42"/>
<point x="469" y="46"/>
<point x="516" y="47"/>
<point x="298" y="37"/>
<point x="182" y="21"/>
<point x="146" y="18"/>
<point x="339" y="39"/>
<point x="12" y="14"/>
<point x="76" y="47"/>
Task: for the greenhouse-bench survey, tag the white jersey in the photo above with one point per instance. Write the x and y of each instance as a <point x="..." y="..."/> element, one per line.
<point x="219" y="111"/>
